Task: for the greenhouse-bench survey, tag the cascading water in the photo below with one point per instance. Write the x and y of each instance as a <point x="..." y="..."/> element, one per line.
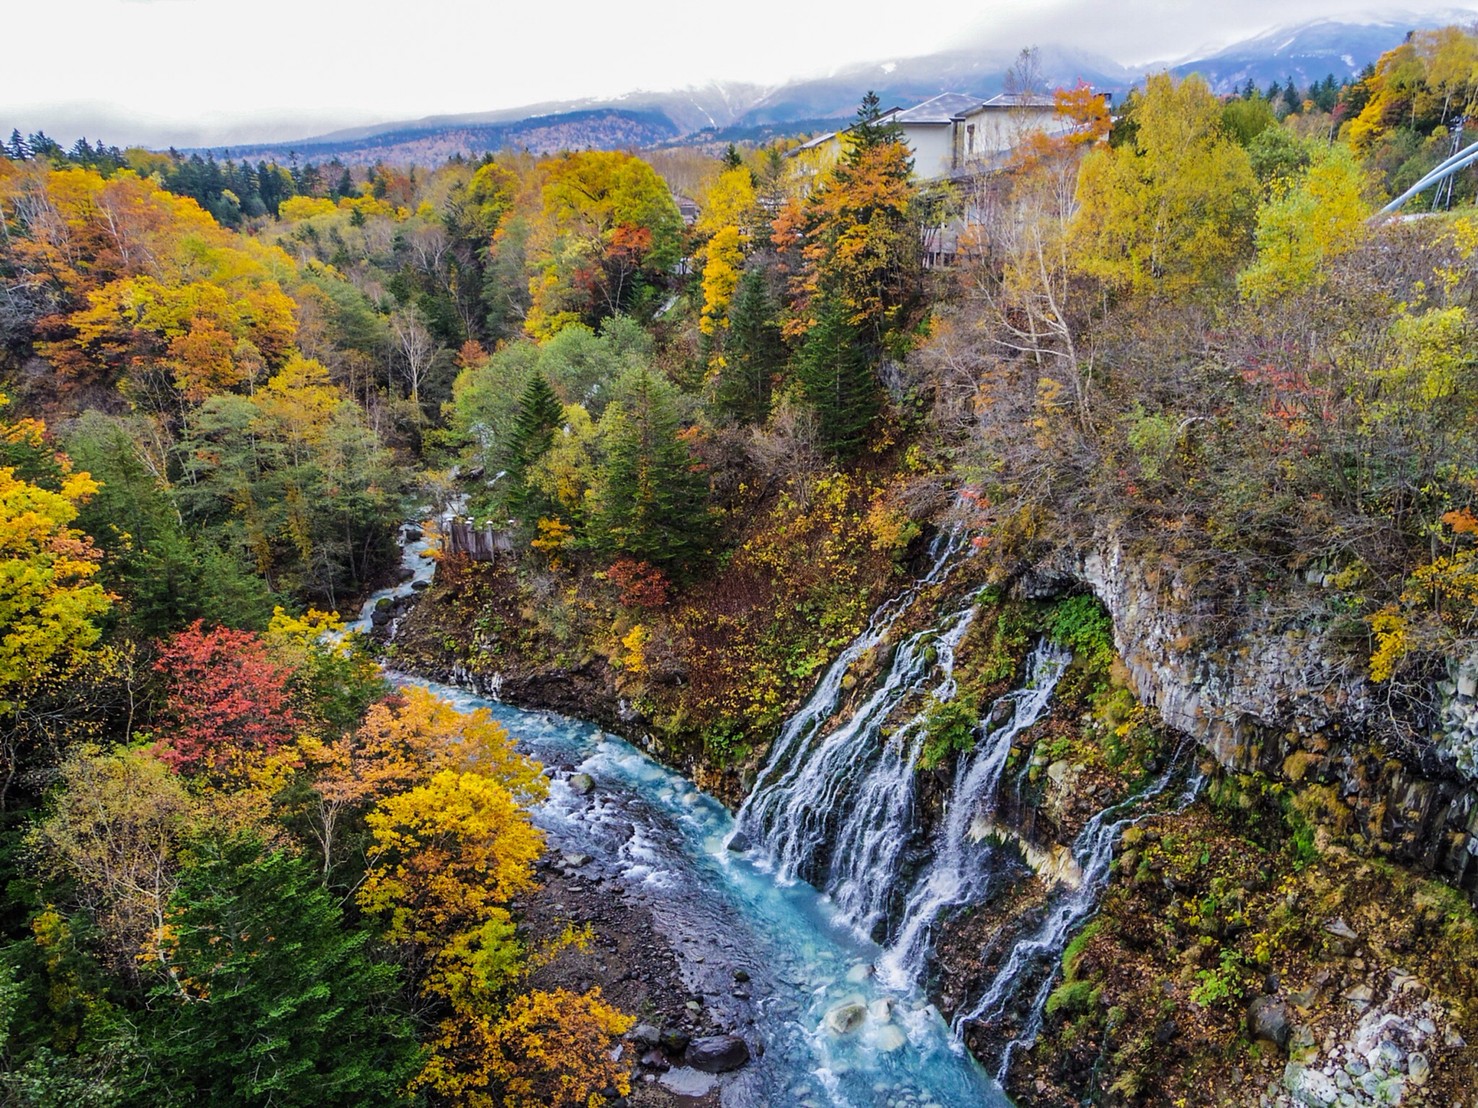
<point x="957" y="873"/>
<point x="783" y="768"/>
<point x="417" y="541"/>
<point x="1033" y="960"/>
<point x="869" y="783"/>
<point x="836" y="806"/>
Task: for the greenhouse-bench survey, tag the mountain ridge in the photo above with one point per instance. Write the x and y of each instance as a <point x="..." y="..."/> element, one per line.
<point x="734" y="111"/>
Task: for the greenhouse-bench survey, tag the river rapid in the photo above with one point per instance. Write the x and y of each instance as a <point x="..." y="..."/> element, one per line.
<point x="654" y="837"/>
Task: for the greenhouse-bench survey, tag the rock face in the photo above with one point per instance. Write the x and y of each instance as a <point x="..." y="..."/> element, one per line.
<point x="1276" y="696"/>
<point x="717" y="1053"/>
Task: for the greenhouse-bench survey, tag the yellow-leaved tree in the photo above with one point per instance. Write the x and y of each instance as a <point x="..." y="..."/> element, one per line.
<point x="1172" y="207"/>
<point x="49" y="600"/>
<point x="555" y="1049"/>
<point x="448" y="854"/>
<point x="1306" y="224"/>
<point x="726" y="210"/>
<point x="402" y="743"/>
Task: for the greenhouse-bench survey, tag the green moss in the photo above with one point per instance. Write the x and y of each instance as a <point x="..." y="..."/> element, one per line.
<point x="1073" y="998"/>
<point x="1081" y="624"/>
<point x="1073" y="953"/>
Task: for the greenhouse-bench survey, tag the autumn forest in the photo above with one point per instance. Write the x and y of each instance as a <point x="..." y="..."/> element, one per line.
<point x="713" y="406"/>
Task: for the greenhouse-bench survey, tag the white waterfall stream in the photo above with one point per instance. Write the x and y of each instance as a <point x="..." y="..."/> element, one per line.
<point x="784" y="768"/>
<point x="1034" y="959"/>
<point x="836" y="805"/>
<point x="956" y="873"/>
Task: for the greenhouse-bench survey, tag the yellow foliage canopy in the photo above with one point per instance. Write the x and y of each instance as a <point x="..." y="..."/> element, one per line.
<point x="1301" y="229"/>
<point x="725" y="258"/>
<point x="48" y="600"/>
<point x="449" y="853"/>
<point x="1171" y="210"/>
<point x="554" y="1049"/>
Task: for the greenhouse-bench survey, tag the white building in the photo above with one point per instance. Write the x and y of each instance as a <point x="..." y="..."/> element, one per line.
<point x="955" y="134"/>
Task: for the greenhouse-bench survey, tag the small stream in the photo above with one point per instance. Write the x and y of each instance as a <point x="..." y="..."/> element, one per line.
<point x="415" y="558"/>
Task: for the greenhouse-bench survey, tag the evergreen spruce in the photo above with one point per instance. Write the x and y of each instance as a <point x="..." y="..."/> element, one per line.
<point x="1292" y="98"/>
<point x="867" y="132"/>
<point x="653" y="502"/>
<point x="834" y="370"/>
<point x="271" y="999"/>
<point x="538" y="416"/>
<point x="753" y="351"/>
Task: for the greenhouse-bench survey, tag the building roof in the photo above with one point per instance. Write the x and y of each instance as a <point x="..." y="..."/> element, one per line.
<point x="944" y="108"/>
<point x="947" y="107"/>
<point x="1021" y="100"/>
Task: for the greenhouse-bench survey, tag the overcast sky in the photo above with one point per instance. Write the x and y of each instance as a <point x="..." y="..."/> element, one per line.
<point x="210" y="71"/>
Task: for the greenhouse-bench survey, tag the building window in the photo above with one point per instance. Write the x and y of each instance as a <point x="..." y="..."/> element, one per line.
<point x="970" y="138"/>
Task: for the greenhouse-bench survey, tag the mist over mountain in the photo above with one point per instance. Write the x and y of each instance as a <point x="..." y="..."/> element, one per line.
<point x="1309" y="52"/>
<point x="727" y="111"/>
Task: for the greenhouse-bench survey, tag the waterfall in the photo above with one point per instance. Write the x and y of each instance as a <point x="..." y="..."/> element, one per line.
<point x="784" y="767"/>
<point x="867" y="777"/>
<point x="838" y="815"/>
<point x="957" y="872"/>
<point x="1035" y="957"/>
<point x="835" y="805"/>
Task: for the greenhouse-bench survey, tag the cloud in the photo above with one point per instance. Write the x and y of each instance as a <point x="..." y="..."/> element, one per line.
<point x="156" y="71"/>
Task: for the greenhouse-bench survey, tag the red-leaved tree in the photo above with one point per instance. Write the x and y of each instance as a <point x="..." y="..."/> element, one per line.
<point x="226" y="700"/>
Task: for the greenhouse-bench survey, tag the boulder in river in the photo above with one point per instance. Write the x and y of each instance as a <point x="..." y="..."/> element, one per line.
<point x="687" y="1082"/>
<point x="717" y="1053"/>
<point x="847" y="1016"/>
<point x="644" y="1034"/>
<point x="582" y="784"/>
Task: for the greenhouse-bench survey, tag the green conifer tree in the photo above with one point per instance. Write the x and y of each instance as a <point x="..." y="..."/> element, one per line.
<point x="538" y="416"/>
<point x="269" y="998"/>
<point x="653" y="502"/>
<point x="867" y="132"/>
<point x="834" y="371"/>
<point x="753" y="351"/>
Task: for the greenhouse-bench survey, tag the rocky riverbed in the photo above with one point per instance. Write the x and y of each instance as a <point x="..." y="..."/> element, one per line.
<point x="636" y="967"/>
